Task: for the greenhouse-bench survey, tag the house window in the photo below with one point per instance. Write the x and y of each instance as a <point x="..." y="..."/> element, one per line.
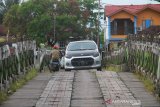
<point x="114" y="27"/>
<point x="122" y="27"/>
<point x="147" y="23"/>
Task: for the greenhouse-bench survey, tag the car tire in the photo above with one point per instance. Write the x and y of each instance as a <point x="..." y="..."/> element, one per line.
<point x="62" y="67"/>
<point x="99" y="69"/>
<point x="57" y="69"/>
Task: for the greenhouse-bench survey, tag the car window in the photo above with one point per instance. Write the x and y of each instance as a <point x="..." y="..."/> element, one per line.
<point x="81" y="46"/>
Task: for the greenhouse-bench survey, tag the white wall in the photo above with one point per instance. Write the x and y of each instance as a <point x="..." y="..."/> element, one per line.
<point x="106" y="33"/>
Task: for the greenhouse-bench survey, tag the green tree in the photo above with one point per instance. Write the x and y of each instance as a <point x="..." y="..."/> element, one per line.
<point x="71" y="18"/>
<point x="157" y="0"/>
<point x="89" y="17"/>
<point x="29" y="20"/>
<point x="39" y="27"/>
<point x="11" y="19"/>
<point x="5" y="5"/>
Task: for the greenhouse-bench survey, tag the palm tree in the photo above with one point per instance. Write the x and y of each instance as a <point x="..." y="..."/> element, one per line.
<point x="5" y="5"/>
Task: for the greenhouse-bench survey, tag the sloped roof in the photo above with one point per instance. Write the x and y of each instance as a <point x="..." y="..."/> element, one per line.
<point x="132" y="9"/>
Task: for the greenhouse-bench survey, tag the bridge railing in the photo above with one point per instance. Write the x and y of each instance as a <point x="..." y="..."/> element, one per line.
<point x="144" y="54"/>
<point x="141" y="53"/>
<point x="15" y="60"/>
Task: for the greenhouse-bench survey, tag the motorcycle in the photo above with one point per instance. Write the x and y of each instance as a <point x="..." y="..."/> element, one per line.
<point x="54" y="65"/>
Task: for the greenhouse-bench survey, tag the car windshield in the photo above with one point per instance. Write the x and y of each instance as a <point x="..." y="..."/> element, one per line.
<point x="81" y="46"/>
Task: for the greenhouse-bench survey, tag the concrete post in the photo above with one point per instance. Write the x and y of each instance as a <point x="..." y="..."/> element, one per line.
<point x="158" y="70"/>
<point x="135" y="25"/>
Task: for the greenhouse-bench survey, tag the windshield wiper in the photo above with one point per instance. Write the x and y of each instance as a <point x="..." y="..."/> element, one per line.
<point x="80" y="49"/>
<point x="87" y="49"/>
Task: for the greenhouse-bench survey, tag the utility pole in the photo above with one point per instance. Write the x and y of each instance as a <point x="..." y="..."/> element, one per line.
<point x="54" y="27"/>
<point x="98" y="35"/>
<point x="55" y="5"/>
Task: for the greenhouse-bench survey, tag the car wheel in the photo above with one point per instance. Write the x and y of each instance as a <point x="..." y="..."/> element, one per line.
<point x="62" y="67"/>
<point x="57" y="69"/>
<point x="99" y="69"/>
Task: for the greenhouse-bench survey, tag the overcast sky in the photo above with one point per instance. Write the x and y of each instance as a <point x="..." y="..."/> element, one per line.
<point x="125" y="2"/>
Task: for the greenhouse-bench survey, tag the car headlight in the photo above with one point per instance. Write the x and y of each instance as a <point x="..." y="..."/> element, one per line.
<point x="68" y="56"/>
<point x="96" y="54"/>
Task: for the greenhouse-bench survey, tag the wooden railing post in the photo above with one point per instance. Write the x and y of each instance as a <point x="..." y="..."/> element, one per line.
<point x="158" y="70"/>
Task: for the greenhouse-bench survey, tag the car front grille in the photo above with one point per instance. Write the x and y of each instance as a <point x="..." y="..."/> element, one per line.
<point x="82" y="61"/>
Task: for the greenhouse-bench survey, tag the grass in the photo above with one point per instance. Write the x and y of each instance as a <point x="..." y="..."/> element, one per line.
<point x="18" y="84"/>
<point x="113" y="68"/>
<point x="3" y="96"/>
<point x="146" y="81"/>
<point x="2" y="39"/>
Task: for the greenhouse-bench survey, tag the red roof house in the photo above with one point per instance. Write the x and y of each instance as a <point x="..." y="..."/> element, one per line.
<point x="122" y="20"/>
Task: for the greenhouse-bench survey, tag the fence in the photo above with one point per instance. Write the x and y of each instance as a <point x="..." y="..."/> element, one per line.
<point x="15" y="60"/>
<point x="116" y="57"/>
<point x="142" y="54"/>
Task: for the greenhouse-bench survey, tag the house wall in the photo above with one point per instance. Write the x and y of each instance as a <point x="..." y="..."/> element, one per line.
<point x="107" y="28"/>
<point x="107" y="31"/>
<point x="122" y="15"/>
<point x="148" y="14"/>
<point x="119" y="36"/>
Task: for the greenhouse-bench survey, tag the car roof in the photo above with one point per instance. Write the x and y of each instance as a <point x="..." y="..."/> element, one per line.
<point x="83" y="41"/>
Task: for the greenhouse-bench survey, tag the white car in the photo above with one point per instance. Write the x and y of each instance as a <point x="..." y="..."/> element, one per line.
<point x="62" y="62"/>
<point x="82" y="55"/>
